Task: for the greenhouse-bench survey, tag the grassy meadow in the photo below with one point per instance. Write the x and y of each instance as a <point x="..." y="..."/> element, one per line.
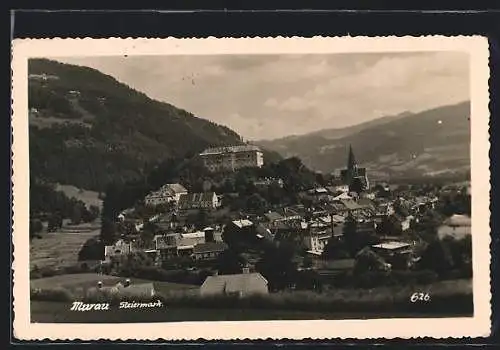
<point x="183" y="303"/>
<point x="77" y="283"/>
<point x="87" y="197"/>
<point x="60" y="249"/>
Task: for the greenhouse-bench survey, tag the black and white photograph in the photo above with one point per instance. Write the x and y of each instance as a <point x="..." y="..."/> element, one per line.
<point x="257" y="186"/>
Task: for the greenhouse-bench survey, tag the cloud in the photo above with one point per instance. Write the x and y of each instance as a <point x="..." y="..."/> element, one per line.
<point x="270" y="96"/>
<point x="214" y="70"/>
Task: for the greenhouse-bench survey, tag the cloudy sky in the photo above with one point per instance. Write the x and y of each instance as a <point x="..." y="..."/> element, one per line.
<point x="271" y="96"/>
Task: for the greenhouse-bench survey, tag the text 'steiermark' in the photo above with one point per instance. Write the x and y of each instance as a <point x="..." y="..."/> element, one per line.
<point x="81" y="306"/>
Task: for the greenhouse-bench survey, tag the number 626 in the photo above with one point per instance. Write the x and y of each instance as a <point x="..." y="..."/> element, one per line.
<point x="420" y="297"/>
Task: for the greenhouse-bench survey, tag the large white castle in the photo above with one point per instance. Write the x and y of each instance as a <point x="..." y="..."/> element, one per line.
<point x="231" y="158"/>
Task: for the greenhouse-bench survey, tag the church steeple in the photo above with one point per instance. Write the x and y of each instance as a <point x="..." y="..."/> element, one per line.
<point x="352" y="166"/>
<point x="354" y="176"/>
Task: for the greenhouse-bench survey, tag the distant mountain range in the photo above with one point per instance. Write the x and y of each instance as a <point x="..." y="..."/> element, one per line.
<point x="427" y="144"/>
<point x="87" y="129"/>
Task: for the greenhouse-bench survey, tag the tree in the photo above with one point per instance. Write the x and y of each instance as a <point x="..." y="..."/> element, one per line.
<point x="147" y="236"/>
<point x="461" y="253"/>
<point x="36" y="227"/>
<point x="309" y="280"/>
<point x="428" y="224"/>
<point x="437" y="257"/>
<point x="55" y="222"/>
<point x="401" y="209"/>
<point x="92" y="249"/>
<point x="256" y="203"/>
<point x="320" y="179"/>
<point x="277" y="266"/>
<point x="307" y="262"/>
<point x="133" y="263"/>
<point x="108" y="231"/>
<point x="368" y="260"/>
<point x="335" y="249"/>
<point x="94" y="212"/>
<point x="350" y="235"/>
<point x="274" y="194"/>
<point x="77" y="213"/>
<point x="389" y="226"/>
<point x="228" y="186"/>
<point x="230" y="262"/>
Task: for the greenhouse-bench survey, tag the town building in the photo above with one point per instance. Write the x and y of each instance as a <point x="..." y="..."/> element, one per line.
<point x="316" y="243"/>
<point x="204" y="200"/>
<point x="208" y="250"/>
<point x="242" y="284"/>
<point x="166" y="194"/>
<point x="231" y="158"/>
<point x="390" y="249"/>
<point x="185" y="244"/>
<point x="337" y="187"/>
<point x="332" y="268"/>
<point x="268" y="182"/>
<point x="354" y="175"/>
<point x="120" y="247"/>
<point x="42" y="77"/>
<point x="456" y="226"/>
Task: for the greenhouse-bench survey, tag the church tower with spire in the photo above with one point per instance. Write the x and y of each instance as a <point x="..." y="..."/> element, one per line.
<point x="353" y="173"/>
<point x="352" y="166"/>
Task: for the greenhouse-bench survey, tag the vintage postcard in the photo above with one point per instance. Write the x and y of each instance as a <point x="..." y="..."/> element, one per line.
<point x="257" y="188"/>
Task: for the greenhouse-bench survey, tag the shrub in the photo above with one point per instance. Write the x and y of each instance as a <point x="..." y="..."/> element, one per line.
<point x="48" y="271"/>
<point x="54" y="294"/>
<point x="92" y="249"/>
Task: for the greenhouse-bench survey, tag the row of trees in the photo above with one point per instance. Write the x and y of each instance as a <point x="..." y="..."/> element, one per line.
<point x="52" y="206"/>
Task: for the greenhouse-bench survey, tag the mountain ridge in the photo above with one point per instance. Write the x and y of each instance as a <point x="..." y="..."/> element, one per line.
<point x="333" y="133"/>
<point x="427" y="143"/>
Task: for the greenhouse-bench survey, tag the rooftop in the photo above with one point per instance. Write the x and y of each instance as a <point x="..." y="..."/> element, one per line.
<point x="230" y="149"/>
<point x="209" y="247"/>
<point x="233" y="283"/>
<point x="242" y="223"/>
<point x="198" y="234"/>
<point x="391" y="245"/>
<point x="273" y="216"/>
<point x="458" y="220"/>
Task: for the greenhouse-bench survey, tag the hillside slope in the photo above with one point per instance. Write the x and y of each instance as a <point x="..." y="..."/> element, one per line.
<point x="87" y="129"/>
<point x="431" y="143"/>
<point x="292" y="145"/>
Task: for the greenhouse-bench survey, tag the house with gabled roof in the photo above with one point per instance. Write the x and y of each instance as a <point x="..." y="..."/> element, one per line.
<point x="166" y="194"/>
<point x="208" y="250"/>
<point x="203" y="200"/>
<point x="242" y="284"/>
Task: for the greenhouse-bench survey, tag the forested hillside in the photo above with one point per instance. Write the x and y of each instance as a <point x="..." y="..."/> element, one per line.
<point x="87" y="129"/>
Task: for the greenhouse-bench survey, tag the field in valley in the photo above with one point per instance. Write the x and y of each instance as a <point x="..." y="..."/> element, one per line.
<point x="60" y="248"/>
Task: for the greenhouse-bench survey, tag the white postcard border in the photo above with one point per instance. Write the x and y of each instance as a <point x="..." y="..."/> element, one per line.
<point x="478" y="325"/>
